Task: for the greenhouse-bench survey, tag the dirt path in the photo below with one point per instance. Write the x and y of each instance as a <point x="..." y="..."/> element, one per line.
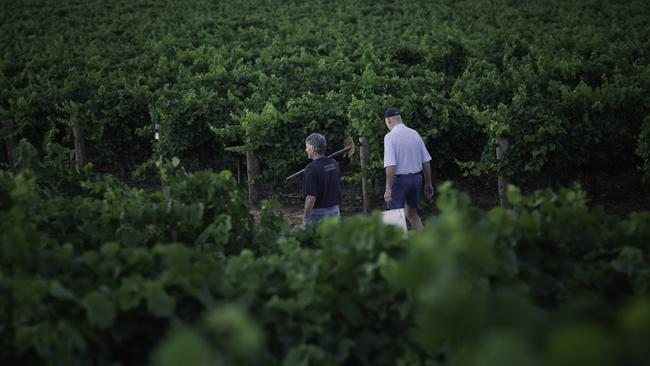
<point x="292" y="202"/>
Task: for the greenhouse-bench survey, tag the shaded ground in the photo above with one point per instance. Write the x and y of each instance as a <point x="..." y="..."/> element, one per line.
<point x="290" y="197"/>
<point x="615" y="194"/>
<point x="619" y="195"/>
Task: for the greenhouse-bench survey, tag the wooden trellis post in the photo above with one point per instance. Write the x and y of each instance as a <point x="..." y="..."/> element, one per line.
<point x="8" y="128"/>
<point x="502" y="147"/>
<point x="364" y="154"/>
<point x="238" y="169"/>
<point x="156" y="136"/>
<point x="79" y="146"/>
<point x="253" y="170"/>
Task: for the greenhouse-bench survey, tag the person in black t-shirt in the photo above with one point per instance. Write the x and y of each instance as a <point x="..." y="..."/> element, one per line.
<point x="322" y="185"/>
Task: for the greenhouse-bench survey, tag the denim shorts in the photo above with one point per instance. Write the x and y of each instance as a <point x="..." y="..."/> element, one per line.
<point x="321" y="213"/>
<point x="406" y="189"/>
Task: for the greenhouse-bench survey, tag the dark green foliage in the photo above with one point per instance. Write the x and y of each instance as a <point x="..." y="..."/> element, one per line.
<point x="117" y="275"/>
<point x="95" y="272"/>
<point x="567" y="82"/>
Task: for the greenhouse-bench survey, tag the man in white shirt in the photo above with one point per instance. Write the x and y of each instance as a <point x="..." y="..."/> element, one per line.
<point x="405" y="157"/>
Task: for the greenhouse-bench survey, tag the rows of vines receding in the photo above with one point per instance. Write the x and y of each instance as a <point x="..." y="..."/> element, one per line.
<point x="567" y="82"/>
<point x="93" y="271"/>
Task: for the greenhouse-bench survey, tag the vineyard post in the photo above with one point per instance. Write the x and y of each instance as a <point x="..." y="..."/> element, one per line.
<point x="502" y="147"/>
<point x="238" y="169"/>
<point x="79" y="146"/>
<point x="156" y="136"/>
<point x="253" y="169"/>
<point x="8" y="126"/>
<point x="364" y="153"/>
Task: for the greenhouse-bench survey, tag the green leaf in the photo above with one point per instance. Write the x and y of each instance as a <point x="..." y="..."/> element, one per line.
<point x="239" y="333"/>
<point x="304" y="355"/>
<point x="218" y="232"/>
<point x="184" y="347"/>
<point x="100" y="311"/>
<point x="109" y="249"/>
<point x="158" y="301"/>
<point x="58" y="291"/>
<point x="130" y="293"/>
<point x="175" y="162"/>
<point x="629" y="259"/>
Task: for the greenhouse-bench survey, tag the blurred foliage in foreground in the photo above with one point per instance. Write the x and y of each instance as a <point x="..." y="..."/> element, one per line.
<point x="94" y="272"/>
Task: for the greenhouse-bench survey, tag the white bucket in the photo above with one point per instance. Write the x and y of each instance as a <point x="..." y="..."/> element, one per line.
<point x="394" y="217"/>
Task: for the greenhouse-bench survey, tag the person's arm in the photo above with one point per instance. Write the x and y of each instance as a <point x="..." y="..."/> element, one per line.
<point x="390" y="163"/>
<point x="390" y="173"/>
<point x="428" y="184"/>
<point x="426" y="169"/>
<point x="309" y="205"/>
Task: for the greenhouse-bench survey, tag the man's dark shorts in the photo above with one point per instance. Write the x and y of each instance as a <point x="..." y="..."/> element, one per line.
<point x="406" y="188"/>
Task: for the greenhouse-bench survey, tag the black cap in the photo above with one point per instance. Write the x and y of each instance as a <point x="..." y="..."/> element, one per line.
<point x="390" y="112"/>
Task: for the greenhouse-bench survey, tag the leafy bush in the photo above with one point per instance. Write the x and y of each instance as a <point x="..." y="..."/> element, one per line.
<point x="568" y="86"/>
<point x="120" y="275"/>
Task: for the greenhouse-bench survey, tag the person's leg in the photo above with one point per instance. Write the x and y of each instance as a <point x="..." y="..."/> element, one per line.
<point x="317" y="214"/>
<point x="334" y="211"/>
<point x="321" y="213"/>
<point x="412" y="199"/>
<point x="413" y="217"/>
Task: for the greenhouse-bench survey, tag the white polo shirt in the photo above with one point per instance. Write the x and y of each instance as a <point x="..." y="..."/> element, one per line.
<point x="404" y="148"/>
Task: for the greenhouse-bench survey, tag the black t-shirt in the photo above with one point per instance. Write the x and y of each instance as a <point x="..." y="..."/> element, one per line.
<point x="323" y="180"/>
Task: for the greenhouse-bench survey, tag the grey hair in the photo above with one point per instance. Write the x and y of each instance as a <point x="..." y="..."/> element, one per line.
<point x="318" y="142"/>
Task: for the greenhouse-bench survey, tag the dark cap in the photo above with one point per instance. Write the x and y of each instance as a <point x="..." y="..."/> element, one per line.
<point x="391" y="112"/>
